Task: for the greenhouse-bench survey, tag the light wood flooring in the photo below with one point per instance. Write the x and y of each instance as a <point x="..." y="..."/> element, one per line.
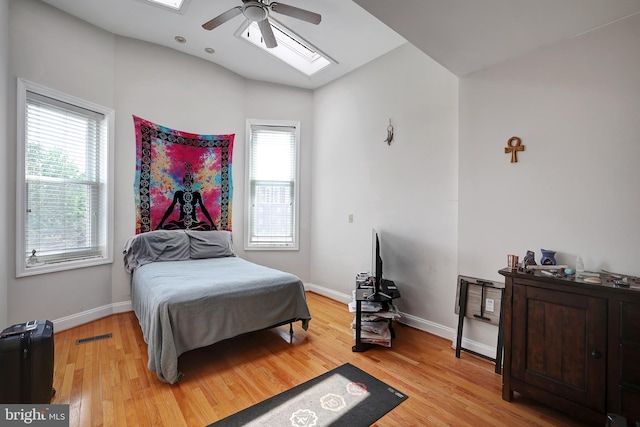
<point x="107" y="383"/>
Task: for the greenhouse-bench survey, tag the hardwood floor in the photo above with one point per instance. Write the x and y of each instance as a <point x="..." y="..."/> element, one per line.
<point x="107" y="383"/>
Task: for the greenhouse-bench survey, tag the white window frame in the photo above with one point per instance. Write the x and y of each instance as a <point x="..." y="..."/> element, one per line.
<point x="168" y="5"/>
<point x="248" y="244"/>
<point x="22" y="269"/>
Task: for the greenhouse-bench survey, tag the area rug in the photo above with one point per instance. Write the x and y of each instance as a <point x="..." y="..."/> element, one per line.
<point x="183" y="180"/>
<point x="345" y="396"/>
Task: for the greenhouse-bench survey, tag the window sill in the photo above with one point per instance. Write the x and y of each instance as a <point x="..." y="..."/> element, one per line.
<point x="23" y="271"/>
<point x="271" y="248"/>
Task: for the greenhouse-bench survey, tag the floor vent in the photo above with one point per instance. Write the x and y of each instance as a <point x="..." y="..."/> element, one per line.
<point x="96" y="338"/>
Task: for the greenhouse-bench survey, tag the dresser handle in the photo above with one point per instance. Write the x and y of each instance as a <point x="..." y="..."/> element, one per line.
<point x="596" y="354"/>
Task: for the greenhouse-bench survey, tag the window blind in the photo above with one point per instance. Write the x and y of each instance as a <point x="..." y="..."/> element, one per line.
<point x="272" y="183"/>
<point x="65" y="157"/>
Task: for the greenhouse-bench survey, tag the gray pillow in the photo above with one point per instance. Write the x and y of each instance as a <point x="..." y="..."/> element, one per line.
<point x="210" y="244"/>
<point x="155" y="246"/>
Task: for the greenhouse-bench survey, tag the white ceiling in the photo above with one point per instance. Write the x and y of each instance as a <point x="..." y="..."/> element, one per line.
<point x="462" y="35"/>
<point x="347" y="34"/>
<point x="468" y="35"/>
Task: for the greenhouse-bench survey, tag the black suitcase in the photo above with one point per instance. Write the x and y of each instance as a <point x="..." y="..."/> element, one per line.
<point x="26" y="363"/>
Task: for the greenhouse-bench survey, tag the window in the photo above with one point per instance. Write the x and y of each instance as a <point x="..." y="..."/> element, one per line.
<point x="64" y="192"/>
<point x="179" y="6"/>
<point x="173" y="4"/>
<point x="272" y="185"/>
<point x="292" y="49"/>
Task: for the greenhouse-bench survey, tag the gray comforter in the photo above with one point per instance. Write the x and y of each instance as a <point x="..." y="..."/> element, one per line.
<point x="183" y="305"/>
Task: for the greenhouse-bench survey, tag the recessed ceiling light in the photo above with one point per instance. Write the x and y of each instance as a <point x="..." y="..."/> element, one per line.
<point x="180" y="39"/>
<point x="209" y="50"/>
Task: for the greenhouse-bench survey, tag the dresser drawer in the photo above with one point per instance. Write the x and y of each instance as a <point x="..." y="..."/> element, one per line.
<point x="630" y="322"/>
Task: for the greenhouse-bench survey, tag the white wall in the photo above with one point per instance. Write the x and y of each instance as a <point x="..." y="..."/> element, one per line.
<point x="407" y="190"/>
<point x="193" y="95"/>
<point x="6" y="194"/>
<point x="74" y="57"/>
<point x="173" y="90"/>
<point x="277" y="102"/>
<point x="575" y="106"/>
<point x="153" y="82"/>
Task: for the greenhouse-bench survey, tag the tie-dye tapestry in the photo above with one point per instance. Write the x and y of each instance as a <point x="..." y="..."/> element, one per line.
<point x="183" y="180"/>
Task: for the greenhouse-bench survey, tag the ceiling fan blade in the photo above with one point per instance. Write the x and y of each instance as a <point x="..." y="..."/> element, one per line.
<point x="222" y="18"/>
<point x="267" y="33"/>
<point x="296" y="12"/>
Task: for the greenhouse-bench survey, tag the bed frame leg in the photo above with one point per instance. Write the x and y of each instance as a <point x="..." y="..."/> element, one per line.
<point x="291" y="331"/>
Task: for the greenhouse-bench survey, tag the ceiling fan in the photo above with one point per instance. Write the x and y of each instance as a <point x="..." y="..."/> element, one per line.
<point x="258" y="11"/>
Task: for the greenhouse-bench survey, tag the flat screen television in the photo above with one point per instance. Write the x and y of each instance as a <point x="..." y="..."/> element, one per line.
<point x="376" y="266"/>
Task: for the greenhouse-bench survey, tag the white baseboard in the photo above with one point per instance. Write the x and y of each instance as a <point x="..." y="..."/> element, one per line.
<point x="78" y="319"/>
<point x="329" y="293"/>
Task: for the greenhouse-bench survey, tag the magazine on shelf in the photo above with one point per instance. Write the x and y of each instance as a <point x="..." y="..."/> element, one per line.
<point x="382" y="342"/>
<point x="380" y="327"/>
<point x="374" y="332"/>
<point x="366" y="335"/>
<point x="385" y="309"/>
<point x="390" y="312"/>
<point x="379" y="339"/>
<point x="366" y="306"/>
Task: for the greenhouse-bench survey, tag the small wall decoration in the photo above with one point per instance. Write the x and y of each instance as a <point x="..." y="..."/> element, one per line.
<point x="389" y="133"/>
<point x="513" y="149"/>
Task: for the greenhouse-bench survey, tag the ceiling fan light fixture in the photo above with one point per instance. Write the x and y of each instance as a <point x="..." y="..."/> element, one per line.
<point x="254" y="11"/>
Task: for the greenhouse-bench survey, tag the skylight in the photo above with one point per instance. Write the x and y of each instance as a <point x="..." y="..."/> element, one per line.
<point x="171" y="4"/>
<point x="291" y="49"/>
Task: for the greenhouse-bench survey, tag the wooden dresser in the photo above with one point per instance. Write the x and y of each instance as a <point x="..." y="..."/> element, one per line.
<point x="572" y="345"/>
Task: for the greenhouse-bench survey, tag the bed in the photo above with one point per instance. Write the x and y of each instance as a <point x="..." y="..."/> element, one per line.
<point x="190" y="290"/>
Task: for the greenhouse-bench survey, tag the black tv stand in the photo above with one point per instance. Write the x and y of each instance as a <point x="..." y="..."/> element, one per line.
<point x="366" y="294"/>
<point x="385" y="289"/>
